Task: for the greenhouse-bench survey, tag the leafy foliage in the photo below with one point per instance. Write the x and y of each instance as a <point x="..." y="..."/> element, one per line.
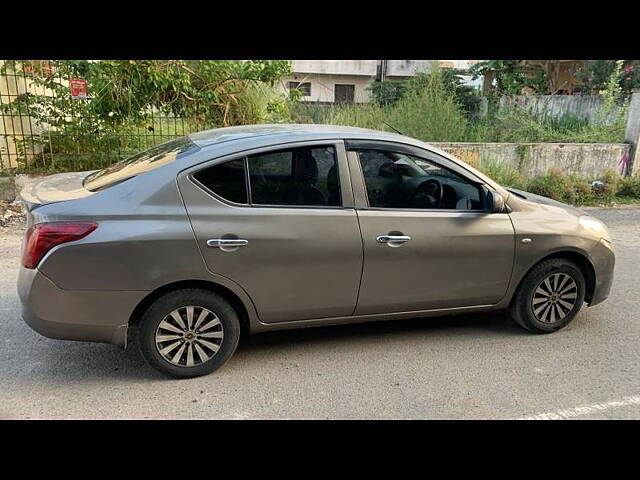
<point x="629" y="186"/>
<point x="429" y="110"/>
<point x="126" y="96"/>
<point x="127" y="91"/>
<point x="387" y="92"/>
<point x="596" y="75"/>
<point x="511" y="78"/>
<point x="391" y="91"/>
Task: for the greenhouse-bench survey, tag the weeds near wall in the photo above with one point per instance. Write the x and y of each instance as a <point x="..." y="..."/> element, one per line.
<point x="570" y="189"/>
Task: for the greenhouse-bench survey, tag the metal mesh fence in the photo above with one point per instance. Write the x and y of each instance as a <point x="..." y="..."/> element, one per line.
<point x="31" y="141"/>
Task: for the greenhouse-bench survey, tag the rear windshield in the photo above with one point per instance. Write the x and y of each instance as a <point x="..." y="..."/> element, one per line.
<point x="142" y="162"/>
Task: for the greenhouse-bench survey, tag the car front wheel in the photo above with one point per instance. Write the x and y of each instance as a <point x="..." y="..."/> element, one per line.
<point x="549" y="297"/>
<point x="188" y="333"/>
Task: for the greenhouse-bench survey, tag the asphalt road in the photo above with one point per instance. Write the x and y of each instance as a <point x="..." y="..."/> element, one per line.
<point x="475" y="366"/>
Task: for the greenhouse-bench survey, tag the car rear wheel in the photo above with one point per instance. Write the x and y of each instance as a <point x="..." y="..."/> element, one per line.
<point x="549" y="297"/>
<point x="188" y="333"/>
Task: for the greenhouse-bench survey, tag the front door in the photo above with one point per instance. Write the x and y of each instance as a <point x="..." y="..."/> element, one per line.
<point x="280" y="223"/>
<point x="429" y="243"/>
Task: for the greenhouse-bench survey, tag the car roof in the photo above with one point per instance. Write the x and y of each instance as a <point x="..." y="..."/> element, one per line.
<point x="286" y="131"/>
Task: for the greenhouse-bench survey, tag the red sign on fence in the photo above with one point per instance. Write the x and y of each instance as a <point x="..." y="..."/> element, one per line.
<point x="78" y="88"/>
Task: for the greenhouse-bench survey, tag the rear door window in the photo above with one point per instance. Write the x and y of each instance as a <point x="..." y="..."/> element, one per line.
<point x="305" y="176"/>
<point x="227" y="180"/>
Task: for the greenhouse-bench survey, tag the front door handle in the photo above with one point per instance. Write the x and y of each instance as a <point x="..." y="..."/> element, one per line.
<point x="227" y="244"/>
<point x="393" y="240"/>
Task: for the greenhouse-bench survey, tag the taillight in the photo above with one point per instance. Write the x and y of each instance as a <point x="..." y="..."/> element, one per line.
<point x="42" y="237"/>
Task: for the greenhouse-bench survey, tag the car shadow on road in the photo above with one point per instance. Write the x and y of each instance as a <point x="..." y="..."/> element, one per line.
<point x="486" y="324"/>
<point x="78" y="362"/>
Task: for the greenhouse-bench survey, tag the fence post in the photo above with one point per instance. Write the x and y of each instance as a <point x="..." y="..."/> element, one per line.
<point x="632" y="133"/>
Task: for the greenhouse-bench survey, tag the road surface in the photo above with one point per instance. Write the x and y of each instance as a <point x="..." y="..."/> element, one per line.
<point x="474" y="366"/>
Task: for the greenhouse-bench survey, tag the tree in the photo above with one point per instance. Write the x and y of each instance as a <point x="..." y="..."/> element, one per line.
<point x="508" y="74"/>
<point x="123" y="91"/>
<point x="386" y="92"/>
<point x="124" y="94"/>
<point x="596" y="74"/>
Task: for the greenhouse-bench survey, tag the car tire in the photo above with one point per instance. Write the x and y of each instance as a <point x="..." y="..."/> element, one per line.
<point x="185" y="352"/>
<point x="549" y="296"/>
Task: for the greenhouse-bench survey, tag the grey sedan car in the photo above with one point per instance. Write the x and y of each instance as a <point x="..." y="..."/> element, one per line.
<point x="249" y="229"/>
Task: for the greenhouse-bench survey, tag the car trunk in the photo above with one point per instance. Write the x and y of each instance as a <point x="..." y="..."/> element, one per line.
<point x="53" y="188"/>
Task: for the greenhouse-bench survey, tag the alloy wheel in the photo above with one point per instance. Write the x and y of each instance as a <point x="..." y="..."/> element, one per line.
<point x="189" y="336"/>
<point x="554" y="297"/>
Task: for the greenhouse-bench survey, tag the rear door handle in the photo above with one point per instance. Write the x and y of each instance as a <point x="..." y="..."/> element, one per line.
<point x="227" y="242"/>
<point x="393" y="240"/>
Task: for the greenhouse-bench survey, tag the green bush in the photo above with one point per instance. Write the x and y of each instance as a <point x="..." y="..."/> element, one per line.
<point x="582" y="191"/>
<point x="506" y="176"/>
<point x="629" y="187"/>
<point x="389" y="92"/>
<point x="364" y="116"/>
<point x="611" y="182"/>
<point x="260" y="103"/>
<point x="554" y="184"/>
<point x="430" y="113"/>
<point x="304" y="112"/>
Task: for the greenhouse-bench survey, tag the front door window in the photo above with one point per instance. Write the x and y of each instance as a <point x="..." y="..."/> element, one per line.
<point x="398" y="180"/>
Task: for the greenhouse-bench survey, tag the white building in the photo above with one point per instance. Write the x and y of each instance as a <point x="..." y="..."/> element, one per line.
<point x="347" y="81"/>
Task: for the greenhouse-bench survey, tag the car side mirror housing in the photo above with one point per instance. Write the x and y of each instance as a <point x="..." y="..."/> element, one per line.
<point x="495" y="202"/>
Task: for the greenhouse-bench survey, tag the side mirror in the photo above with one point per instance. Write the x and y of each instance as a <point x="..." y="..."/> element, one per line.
<point x="495" y="202"/>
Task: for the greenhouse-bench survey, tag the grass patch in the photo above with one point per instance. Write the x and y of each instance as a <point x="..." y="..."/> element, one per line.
<point x="520" y="126"/>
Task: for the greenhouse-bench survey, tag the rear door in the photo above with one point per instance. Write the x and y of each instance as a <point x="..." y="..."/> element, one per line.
<point x="280" y="222"/>
<point x="422" y="254"/>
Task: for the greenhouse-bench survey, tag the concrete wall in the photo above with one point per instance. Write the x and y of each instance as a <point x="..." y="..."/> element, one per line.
<point x="336" y="67"/>
<point x="632" y="133"/>
<point x="582" y="106"/>
<point x="407" y="68"/>
<point x="588" y="160"/>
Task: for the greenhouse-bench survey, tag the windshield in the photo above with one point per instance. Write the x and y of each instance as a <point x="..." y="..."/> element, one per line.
<point x="142" y="162"/>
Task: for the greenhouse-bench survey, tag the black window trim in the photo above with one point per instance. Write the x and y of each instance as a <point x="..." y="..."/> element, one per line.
<point x="277" y="148"/>
<point x="410" y="150"/>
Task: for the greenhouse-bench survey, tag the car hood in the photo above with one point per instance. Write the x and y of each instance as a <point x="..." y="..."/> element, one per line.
<point x="532" y="197"/>
<point x="53" y="188"/>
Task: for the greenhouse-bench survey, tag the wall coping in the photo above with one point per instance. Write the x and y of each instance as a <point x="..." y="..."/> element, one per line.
<point x="560" y="144"/>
